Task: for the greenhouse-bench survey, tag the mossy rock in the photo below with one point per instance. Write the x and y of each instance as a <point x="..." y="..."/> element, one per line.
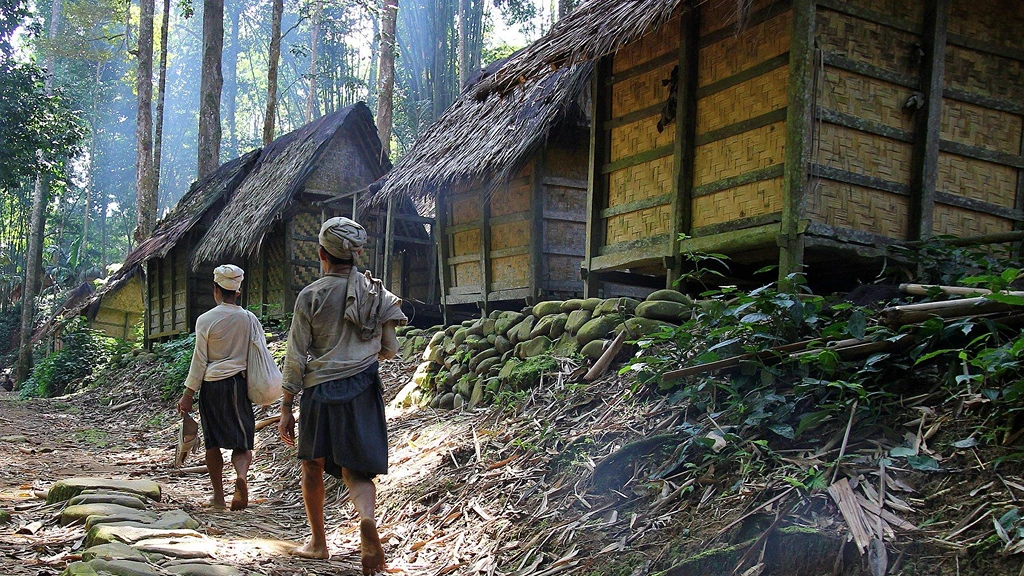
<point x="79" y="512"/>
<point x="485" y="366"/>
<point x="105" y="533"/>
<point x="594" y="349"/>
<point x="591" y="304"/>
<point x="506" y="321"/>
<point x="460" y="336"/>
<point x="508" y="368"/>
<point x="446" y="401"/>
<point x="577" y="319"/>
<point x="476" y="329"/>
<point x="502" y="344"/>
<point x="5" y="517"/>
<point x="639" y="327"/>
<point x="436" y="339"/>
<point x="477" y="342"/>
<point x="451" y="330"/>
<point x="598" y="327"/>
<point x="403" y="330"/>
<point x="68" y="488"/>
<point x="481" y="356"/>
<point x="534" y="347"/>
<point x="565" y="347"/>
<point x="433" y="353"/>
<point x="449" y="346"/>
<point x="464" y="386"/>
<point x="664" y="310"/>
<point x="113" y="551"/>
<point x="477" y="397"/>
<point x="542" y="327"/>
<point x="521" y="331"/>
<point x="488" y="326"/>
<point x="612" y="305"/>
<point x="414" y="332"/>
<point x="79" y="569"/>
<point x="572" y="304"/>
<point x="558" y="322"/>
<point x="129" y="500"/>
<point x="542" y="309"/>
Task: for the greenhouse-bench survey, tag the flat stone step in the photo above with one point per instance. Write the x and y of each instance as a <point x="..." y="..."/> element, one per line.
<point x="204" y="570"/>
<point x="79" y="512"/>
<point x="104" y="533"/>
<point x="113" y="551"/>
<point x="178" y="547"/>
<point x="70" y="487"/>
<point x="120" y="498"/>
<point x="170" y="520"/>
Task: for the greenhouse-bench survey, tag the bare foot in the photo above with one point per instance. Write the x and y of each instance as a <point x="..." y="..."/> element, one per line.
<point x="216" y="503"/>
<point x="370" y="550"/>
<point x="240" y="501"/>
<point x="311" y="551"/>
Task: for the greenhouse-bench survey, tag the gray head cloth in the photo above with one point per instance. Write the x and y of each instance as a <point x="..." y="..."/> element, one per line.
<point x="228" y="277"/>
<point x="342" y="237"/>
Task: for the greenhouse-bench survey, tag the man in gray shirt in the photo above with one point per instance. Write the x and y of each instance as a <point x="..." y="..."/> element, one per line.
<point x="342" y="324"/>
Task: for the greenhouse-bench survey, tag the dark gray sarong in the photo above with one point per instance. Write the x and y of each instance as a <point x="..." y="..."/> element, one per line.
<point x="342" y="421"/>
<point x="226" y="414"/>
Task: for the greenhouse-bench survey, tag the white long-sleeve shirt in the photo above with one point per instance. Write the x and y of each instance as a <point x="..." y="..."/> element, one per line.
<point x="222" y="344"/>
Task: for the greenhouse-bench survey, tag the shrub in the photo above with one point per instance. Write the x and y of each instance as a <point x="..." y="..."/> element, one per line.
<point x="83" y="353"/>
<point x="176" y="356"/>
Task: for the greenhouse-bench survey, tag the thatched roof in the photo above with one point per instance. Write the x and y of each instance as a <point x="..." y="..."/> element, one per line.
<point x="281" y="172"/>
<point x="183" y="216"/>
<point x="489" y="138"/>
<point x="597" y="28"/>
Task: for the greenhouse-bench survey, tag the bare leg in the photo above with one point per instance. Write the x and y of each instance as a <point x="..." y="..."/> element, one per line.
<point x="215" y="466"/>
<point x="363" y="492"/>
<point x="313" y="497"/>
<point x="241" y="459"/>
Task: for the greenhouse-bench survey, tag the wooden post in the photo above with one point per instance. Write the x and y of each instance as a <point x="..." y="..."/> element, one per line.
<point x="927" y="123"/>
<point x="389" y="242"/>
<point x="264" y="288"/>
<point x="686" y="114"/>
<point x="289" y="265"/>
<point x="538" y="287"/>
<point x="799" y="123"/>
<point x="597" y="188"/>
<point x="444" y="272"/>
<point x="160" y="293"/>
<point x="485" y="256"/>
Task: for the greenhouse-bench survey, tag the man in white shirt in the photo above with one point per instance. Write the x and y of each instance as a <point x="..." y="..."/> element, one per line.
<point x="218" y="368"/>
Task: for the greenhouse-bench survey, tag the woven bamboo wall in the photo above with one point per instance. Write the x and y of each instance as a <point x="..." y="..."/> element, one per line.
<point x="742" y="87"/>
<point x="981" y="113"/>
<point x="168" y="290"/>
<point x="305" y="262"/>
<point x="516" y="201"/>
<point x="121" y="310"/>
<point x="565" y="215"/>
<point x="864" y="135"/>
<point x="465" y="208"/>
<point x="265" y="278"/>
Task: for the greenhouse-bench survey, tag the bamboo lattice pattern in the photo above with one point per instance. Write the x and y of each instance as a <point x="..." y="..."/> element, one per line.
<point x="961" y="222"/>
<point x="743" y="101"/>
<point x="744" y="201"/>
<point x="639" y="224"/>
<point x="869" y="43"/>
<point x="636" y="137"/>
<point x="862" y="153"/>
<point x="641" y="91"/>
<point x="737" y="53"/>
<point x="982" y="127"/>
<point x="867" y="98"/>
<point x="639" y="182"/>
<point x="649" y="47"/>
<point x="977" y="179"/>
<point x="758" y="148"/>
<point x="844" y="205"/>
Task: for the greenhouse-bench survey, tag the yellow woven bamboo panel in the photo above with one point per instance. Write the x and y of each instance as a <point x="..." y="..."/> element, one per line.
<point x="649" y="47"/>
<point x="466" y="274"/>
<point x="642" y="181"/>
<point x="863" y="153"/>
<point x="743" y="101"/>
<point x="758" y="148"/>
<point x="984" y="74"/>
<point x="996" y="21"/>
<point x="563" y="269"/>
<point x="977" y="179"/>
<point x="305" y="250"/>
<point x="858" y="208"/>
<point x="753" y="199"/>
<point x="750" y="47"/>
<point x="275" y="262"/>
<point x="568" y="161"/>
<point x="128" y="297"/>
<point x="957" y="221"/>
<point x="717" y="14"/>
<point x="466" y="242"/>
<point x="909" y="11"/>
<point x="867" y="42"/>
<point x="640" y="224"/>
<point x="982" y="127"/>
<point x="306" y="224"/>
<point x="510" y="234"/>
<point x="510" y="199"/>
<point x="867" y="98"/>
<point x="465" y="208"/>
<point x="641" y="91"/>
<point x="510" y="272"/>
<point x="638" y="136"/>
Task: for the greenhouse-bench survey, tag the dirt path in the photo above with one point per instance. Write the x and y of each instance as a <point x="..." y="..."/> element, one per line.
<point x="42" y="441"/>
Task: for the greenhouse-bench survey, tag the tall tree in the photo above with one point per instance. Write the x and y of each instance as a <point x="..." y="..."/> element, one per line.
<point x="314" y="45"/>
<point x="210" y="87"/>
<point x="161" y="94"/>
<point x="145" y="193"/>
<point x="471" y="39"/>
<point x="37" y="225"/>
<point x="230" y="95"/>
<point x="386" y="90"/>
<point x="275" y="58"/>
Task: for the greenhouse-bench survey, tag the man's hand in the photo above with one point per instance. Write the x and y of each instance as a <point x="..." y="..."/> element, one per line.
<point x="286" y="427"/>
<point x="185" y="404"/>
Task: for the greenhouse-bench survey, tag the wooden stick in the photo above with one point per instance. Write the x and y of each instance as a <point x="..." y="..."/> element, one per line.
<point x="926" y="289"/>
<point x="123" y="405"/>
<point x="267" y="422"/>
<point x="896" y="316"/>
<point x="602" y="364"/>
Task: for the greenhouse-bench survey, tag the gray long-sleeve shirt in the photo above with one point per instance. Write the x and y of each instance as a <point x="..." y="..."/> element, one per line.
<point x="222" y="344"/>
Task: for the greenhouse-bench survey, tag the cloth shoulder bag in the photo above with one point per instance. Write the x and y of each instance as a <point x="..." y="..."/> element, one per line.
<point x="263" y="377"/>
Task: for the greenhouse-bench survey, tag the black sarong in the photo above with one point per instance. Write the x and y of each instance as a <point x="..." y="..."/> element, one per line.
<point x="342" y="421"/>
<point x="226" y="413"/>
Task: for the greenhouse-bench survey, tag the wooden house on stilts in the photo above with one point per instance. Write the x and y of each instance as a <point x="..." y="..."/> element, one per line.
<point x="507" y="176"/>
<point x="795" y="132"/>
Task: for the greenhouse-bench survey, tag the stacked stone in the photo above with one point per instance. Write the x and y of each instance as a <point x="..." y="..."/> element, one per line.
<point x="125" y="536"/>
<point x="464" y="362"/>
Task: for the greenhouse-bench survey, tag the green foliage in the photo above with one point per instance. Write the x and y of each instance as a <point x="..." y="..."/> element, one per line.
<point x="10" y="324"/>
<point x="176" y="356"/>
<point x="83" y="353"/>
<point x="527" y="373"/>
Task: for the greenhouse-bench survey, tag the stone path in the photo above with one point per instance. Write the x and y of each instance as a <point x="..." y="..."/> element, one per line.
<point x="126" y="536"/>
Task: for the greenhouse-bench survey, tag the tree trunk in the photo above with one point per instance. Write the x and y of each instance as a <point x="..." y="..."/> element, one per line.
<point x="565" y="7"/>
<point x="275" y="57"/>
<point x="386" y="90"/>
<point x="313" y="47"/>
<point x="231" y="79"/>
<point x="210" y="87"/>
<point x="161" y="91"/>
<point x="145" y="194"/>
<point x="90" y="189"/>
<point x="471" y="14"/>
<point x="37" y="227"/>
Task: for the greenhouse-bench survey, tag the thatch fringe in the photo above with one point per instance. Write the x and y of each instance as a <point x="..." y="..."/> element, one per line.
<point x="487" y="139"/>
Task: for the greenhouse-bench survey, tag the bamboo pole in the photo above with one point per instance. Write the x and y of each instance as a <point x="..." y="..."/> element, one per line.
<point x="928" y="289"/>
<point x="897" y="316"/>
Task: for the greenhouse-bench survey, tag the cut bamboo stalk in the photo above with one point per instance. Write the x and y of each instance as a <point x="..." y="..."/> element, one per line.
<point x="926" y="289"/>
<point x="896" y="316"/>
<point x="602" y="364"/>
